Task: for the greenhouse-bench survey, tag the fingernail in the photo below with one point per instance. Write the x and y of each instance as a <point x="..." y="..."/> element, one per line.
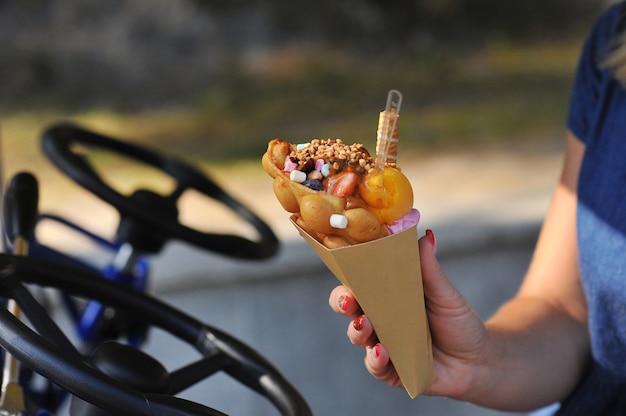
<point x="358" y="323"/>
<point x="432" y="239"/>
<point x="376" y="351"/>
<point x="343" y="302"/>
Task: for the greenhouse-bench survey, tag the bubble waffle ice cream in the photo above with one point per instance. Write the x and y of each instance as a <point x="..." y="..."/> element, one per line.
<point x="338" y="192"/>
<point x="356" y="212"/>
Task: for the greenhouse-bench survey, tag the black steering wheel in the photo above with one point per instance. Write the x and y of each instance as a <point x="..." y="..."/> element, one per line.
<point x="116" y="378"/>
<point x="149" y="219"/>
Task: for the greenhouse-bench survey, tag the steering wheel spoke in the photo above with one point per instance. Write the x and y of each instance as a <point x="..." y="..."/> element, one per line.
<point x="178" y="191"/>
<point x="40" y="319"/>
<point x="193" y="373"/>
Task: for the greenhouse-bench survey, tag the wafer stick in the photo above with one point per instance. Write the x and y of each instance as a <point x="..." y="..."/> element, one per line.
<point x="387" y="134"/>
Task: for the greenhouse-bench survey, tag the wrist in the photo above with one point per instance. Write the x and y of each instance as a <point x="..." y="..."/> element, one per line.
<point x="485" y="370"/>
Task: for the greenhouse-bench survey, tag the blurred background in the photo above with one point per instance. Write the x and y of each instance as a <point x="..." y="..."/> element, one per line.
<point x="485" y="84"/>
<point x="216" y="79"/>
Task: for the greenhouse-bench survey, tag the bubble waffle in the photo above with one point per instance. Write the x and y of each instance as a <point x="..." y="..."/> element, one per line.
<point x="337" y="192"/>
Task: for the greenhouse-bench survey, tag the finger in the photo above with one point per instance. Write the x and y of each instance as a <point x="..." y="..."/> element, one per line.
<point x="361" y="333"/>
<point x="440" y="293"/>
<point x="378" y="364"/>
<point x="342" y="301"/>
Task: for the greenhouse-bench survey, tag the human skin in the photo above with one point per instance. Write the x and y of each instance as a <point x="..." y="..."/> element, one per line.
<point x="533" y="351"/>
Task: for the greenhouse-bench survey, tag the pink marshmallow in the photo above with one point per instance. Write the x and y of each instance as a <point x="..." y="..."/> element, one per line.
<point x="409" y="220"/>
<point x="289" y="165"/>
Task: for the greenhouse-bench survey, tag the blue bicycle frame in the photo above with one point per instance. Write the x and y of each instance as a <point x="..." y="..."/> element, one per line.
<point x="126" y="268"/>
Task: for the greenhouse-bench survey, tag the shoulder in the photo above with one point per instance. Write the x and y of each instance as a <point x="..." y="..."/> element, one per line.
<point x="593" y="79"/>
<point x="609" y="24"/>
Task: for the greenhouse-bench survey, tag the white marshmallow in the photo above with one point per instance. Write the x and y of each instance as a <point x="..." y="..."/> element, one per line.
<point x="297" y="176"/>
<point x="338" y="221"/>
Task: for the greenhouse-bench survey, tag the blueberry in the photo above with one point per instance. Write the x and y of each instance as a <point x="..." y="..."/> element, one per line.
<point x="314" y="184"/>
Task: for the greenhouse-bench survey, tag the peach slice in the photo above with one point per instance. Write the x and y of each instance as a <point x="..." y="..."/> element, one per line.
<point x="389" y="193"/>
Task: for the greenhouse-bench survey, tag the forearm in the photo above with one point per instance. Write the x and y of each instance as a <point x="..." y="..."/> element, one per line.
<point x="537" y="355"/>
<point x="539" y="341"/>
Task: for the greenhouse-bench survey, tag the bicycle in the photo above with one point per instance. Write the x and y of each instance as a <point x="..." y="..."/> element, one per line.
<point x="110" y="308"/>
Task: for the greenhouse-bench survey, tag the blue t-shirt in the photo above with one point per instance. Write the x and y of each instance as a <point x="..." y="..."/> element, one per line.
<point x="598" y="118"/>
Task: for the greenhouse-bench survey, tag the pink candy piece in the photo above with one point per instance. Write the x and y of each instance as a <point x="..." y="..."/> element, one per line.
<point x="289" y="165"/>
<point x="408" y="221"/>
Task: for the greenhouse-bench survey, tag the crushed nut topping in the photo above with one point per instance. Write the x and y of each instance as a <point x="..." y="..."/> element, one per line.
<point x="336" y="153"/>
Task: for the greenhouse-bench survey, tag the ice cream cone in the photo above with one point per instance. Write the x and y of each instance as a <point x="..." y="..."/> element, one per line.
<point x="347" y="221"/>
<point x="385" y="276"/>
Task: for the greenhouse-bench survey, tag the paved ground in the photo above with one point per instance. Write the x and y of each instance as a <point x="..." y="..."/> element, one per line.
<point x="485" y="208"/>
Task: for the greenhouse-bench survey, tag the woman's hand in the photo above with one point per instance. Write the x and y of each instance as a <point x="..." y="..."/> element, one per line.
<point x="533" y="351"/>
<point x="460" y="339"/>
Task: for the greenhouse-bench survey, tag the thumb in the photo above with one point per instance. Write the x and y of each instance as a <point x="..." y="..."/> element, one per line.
<point x="438" y="289"/>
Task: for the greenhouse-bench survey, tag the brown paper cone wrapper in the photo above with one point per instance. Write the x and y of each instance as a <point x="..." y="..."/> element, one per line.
<point x="385" y="276"/>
